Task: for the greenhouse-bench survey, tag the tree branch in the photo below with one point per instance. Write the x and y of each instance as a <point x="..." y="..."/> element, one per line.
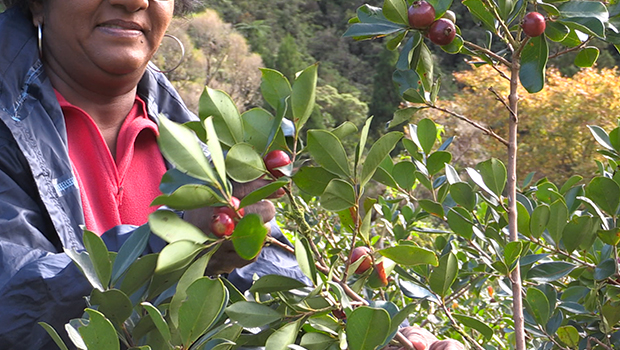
<point x="484" y="129"/>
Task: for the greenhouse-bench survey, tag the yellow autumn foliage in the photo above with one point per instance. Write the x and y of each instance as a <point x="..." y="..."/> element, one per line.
<point x="554" y="139"/>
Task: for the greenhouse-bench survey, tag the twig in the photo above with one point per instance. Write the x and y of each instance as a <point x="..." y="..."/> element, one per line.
<point x="598" y="342"/>
<point x="503" y="101"/>
<point x="576" y="48"/>
<point x="459" y="329"/>
<point x="489" y="53"/>
<point x="485" y="130"/>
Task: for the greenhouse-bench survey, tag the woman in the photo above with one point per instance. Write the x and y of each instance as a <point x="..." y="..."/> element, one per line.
<point x="78" y="110"/>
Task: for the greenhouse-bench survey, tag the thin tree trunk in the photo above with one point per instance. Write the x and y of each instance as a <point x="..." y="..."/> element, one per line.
<point x="517" y="303"/>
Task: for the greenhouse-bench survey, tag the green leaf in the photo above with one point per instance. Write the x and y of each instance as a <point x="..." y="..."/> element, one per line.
<point x="313" y="180"/>
<point x="550" y="271"/>
<point x="82" y="260"/>
<point x="52" y="333"/>
<point x="437" y="161"/>
<point x="262" y="192"/>
<point x="611" y="312"/>
<point x="252" y="314"/>
<point x="587" y="57"/>
<point x="569" y="336"/>
<point x="361" y="147"/>
<point x="512" y="252"/>
<point x="193" y="273"/>
<point x="345" y="129"/>
<point x="455" y="46"/>
<point x="99" y="334"/>
<point x="533" y="64"/>
<point x="408" y="83"/>
<point x="404" y="174"/>
<point x="461" y="222"/>
<point x="440" y="6"/>
<point x="249" y="236"/>
<point x="359" y="30"/>
<point x="410" y="255"/>
<point x="158" y="320"/>
<point x="427" y="134"/>
<point x="283" y="337"/>
<point x="130" y="251"/>
<point x="328" y="152"/>
<point x="197" y="313"/>
<point x="486" y="331"/>
<point x="600" y="135"/>
<point x="558" y="218"/>
<point x="260" y="128"/>
<point x="556" y="31"/>
<point x="431" y="207"/>
<point x="188" y="197"/>
<point x="523" y="220"/>
<point x="396" y="11"/>
<point x="424" y="65"/>
<point x="576" y="231"/>
<point x="215" y="149"/>
<point x="444" y="275"/>
<point x="605" y="192"/>
<point x="113" y="303"/>
<point x="226" y="119"/>
<point x="537" y="305"/>
<point x="379" y="150"/>
<point x="611" y="237"/>
<point x="139" y="273"/>
<point x="168" y="226"/>
<point x="404" y="115"/>
<point x="339" y="195"/>
<point x="181" y="148"/>
<point x="177" y="255"/>
<point x="479" y="10"/>
<point x="406" y="53"/>
<point x="452" y="175"/>
<point x="274" y="87"/>
<point x="99" y="256"/>
<point x="589" y="16"/>
<point x="367" y="328"/>
<point x="540" y="218"/>
<point x="303" y="253"/>
<point x="475" y="176"/>
<point x="303" y="96"/>
<point x="275" y="283"/>
<point x="463" y="195"/>
<point x="570" y="183"/>
<point x="493" y="173"/>
<point x="317" y="341"/>
<point x="244" y="163"/>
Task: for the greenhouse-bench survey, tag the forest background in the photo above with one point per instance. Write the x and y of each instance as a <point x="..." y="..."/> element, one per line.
<point x="226" y="43"/>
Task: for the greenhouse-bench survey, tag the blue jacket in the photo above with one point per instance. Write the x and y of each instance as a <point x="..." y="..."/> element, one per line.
<point x="40" y="207"/>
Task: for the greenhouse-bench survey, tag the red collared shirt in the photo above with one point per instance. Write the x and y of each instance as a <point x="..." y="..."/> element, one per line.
<point x="114" y="190"/>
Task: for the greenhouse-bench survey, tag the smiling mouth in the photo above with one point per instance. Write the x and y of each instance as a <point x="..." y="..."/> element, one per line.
<point x="121" y="26"/>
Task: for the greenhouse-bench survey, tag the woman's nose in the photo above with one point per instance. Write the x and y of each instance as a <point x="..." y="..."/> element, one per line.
<point x="131" y="5"/>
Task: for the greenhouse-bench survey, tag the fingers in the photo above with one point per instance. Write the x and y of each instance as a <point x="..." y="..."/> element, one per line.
<point x="264" y="208"/>
<point x="419" y="337"/>
<point x="448" y="344"/>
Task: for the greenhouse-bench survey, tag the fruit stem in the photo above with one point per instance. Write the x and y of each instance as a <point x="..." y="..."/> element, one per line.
<point x="507" y="36"/>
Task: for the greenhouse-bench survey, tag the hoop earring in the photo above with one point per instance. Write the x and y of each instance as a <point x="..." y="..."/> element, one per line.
<point x="178" y="41"/>
<point x="40" y="39"/>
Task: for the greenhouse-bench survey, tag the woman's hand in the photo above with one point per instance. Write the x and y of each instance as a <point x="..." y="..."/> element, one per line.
<point x="226" y="259"/>
<point x="425" y="340"/>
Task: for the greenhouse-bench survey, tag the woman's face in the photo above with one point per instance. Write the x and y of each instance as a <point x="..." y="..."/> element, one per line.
<point x="92" y="37"/>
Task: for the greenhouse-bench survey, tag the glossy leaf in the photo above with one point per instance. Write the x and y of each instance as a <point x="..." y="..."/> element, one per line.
<point x="558" y="218"/>
<point x="244" y="164"/>
<point x="415" y="291"/>
<point x="305" y="259"/>
<point x="461" y="222"/>
<point x="611" y="237"/>
<point x="262" y="192"/>
<point x="367" y="328"/>
<point x="452" y="175"/>
<point x="283" y="337"/>
<point x="404" y="174"/>
<point x="475" y="176"/>
<point x="396" y="11"/>
<point x="424" y="67"/>
<point x="197" y="313"/>
<point x="99" y="334"/>
<point x="556" y="31"/>
<point x="112" y="303"/>
<point x="252" y="314"/>
<point x="444" y="275"/>
<point x="260" y="128"/>
<point x="605" y="192"/>
<point x="533" y="64"/>
<point x="194" y="272"/>
<point x="539" y="220"/>
<point x="168" y="226"/>
<point x="313" y="180"/>
<point x="406" y="54"/>
<point x="275" y="283"/>
<point x="303" y="96"/>
<point x="328" y="152"/>
<point x="590" y="16"/>
<point x="431" y="207"/>
<point x="404" y="115"/>
<point x="180" y="147"/>
<point x="379" y="150"/>
<point x="427" y="134"/>
<point x="317" y="341"/>
<point x="339" y="195"/>
<point x="158" y="320"/>
<point x="408" y="83"/>
<point x="587" y="57"/>
<point x="226" y="119"/>
<point x="480" y="326"/>
<point x="98" y="254"/>
<point x="188" y="197"/>
<point x="437" y="161"/>
<point x="576" y="231"/>
<point x="479" y="10"/>
<point x="493" y="173"/>
<point x="569" y="336"/>
<point x="611" y="312"/>
<point x="177" y="255"/>
<point x="410" y="255"/>
<point x="139" y="273"/>
<point x="601" y="136"/>
<point x="274" y="87"/>
<point x="523" y="220"/>
<point x="463" y="195"/>
<point x="249" y="236"/>
<point x="215" y="150"/>
<point x="537" y="305"/>
<point x="550" y="271"/>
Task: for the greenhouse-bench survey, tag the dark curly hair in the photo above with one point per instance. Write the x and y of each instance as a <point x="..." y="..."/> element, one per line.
<point x="180" y="6"/>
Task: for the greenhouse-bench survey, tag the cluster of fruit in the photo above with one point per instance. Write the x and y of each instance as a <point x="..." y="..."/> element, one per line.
<point x="440" y="31"/>
<point x="225" y="217"/>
